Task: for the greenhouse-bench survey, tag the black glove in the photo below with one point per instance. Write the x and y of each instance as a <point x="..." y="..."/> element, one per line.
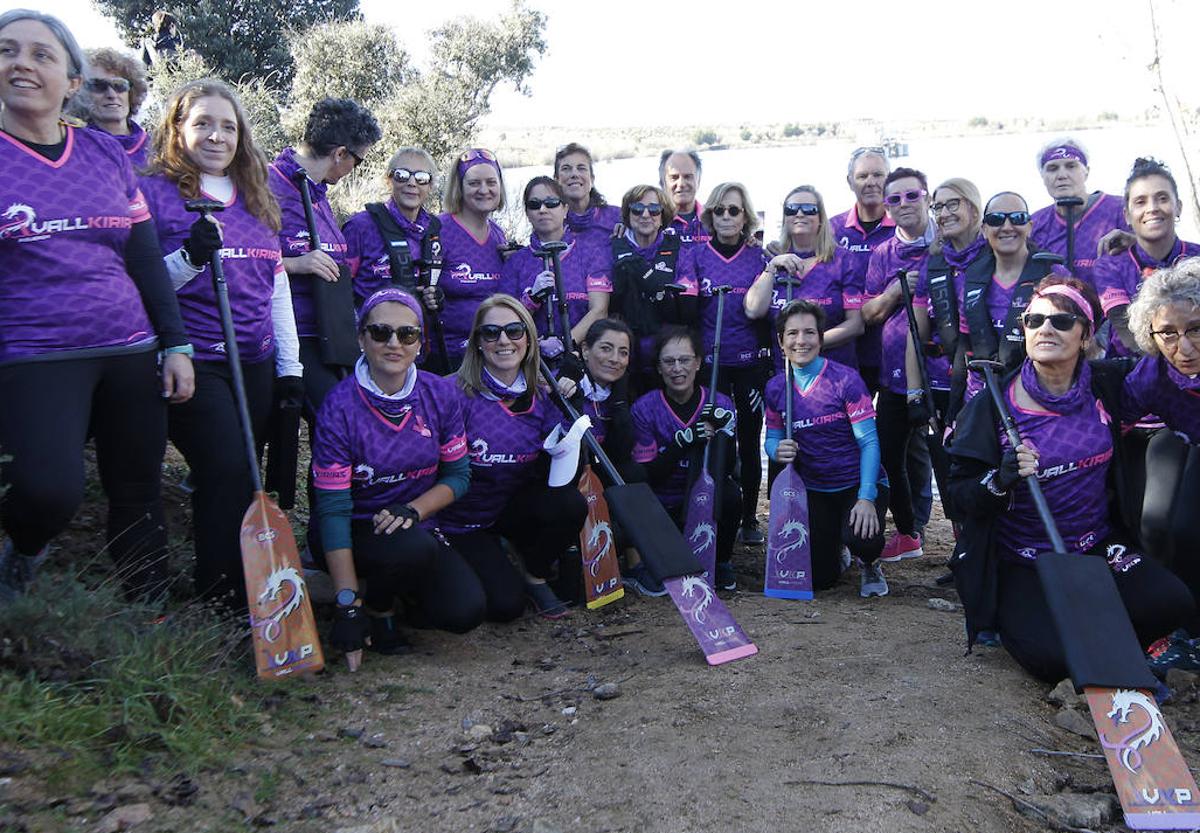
<point x="350" y="629"/>
<point x="1007" y="475"/>
<point x="438" y="303"/>
<point x="203" y="239"/>
<point x="570" y="366"/>
<point x="686" y="438"/>
<point x="403" y="510"/>
<point x="919" y="412"/>
<point x="289" y="392"/>
<point x="720" y="418"/>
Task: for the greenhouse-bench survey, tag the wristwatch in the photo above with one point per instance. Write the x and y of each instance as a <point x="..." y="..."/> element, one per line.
<point x="346" y="597"/>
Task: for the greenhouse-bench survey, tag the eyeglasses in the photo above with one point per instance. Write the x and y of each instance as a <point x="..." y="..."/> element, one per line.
<point x="533" y="203"/>
<point x="477" y="153"/>
<point x="948" y="205"/>
<point x="382" y="333"/>
<point x="358" y="160"/>
<point x="676" y="361"/>
<point x="491" y="332"/>
<point x="1063" y="321"/>
<point x="908" y="196"/>
<point x="640" y="208"/>
<point x="808" y="209"/>
<point x="403" y="175"/>
<point x="733" y="210"/>
<point x="995" y="219"/>
<point x="1170" y="337"/>
<point x="101" y="85"/>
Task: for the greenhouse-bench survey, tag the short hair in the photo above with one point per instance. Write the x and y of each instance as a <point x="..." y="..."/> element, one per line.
<point x="800" y="306"/>
<point x="671" y="332"/>
<point x="825" y="246"/>
<point x="595" y="198"/>
<point x="965" y="189"/>
<point x="452" y="195"/>
<point x="1061" y="141"/>
<point x="339" y="122"/>
<point x="125" y="66"/>
<point x="78" y="63"/>
<point x="1178" y="284"/>
<point x="637" y="192"/>
<point x="470" y="372"/>
<point x="606" y="325"/>
<point x="550" y="182"/>
<point x="667" y="154"/>
<point x="714" y="198"/>
<point x="903" y="173"/>
<point x="1145" y="166"/>
<point x="1064" y="304"/>
<point x="859" y="153"/>
<point x="1000" y="194"/>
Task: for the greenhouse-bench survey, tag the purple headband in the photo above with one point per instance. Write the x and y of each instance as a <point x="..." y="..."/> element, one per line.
<point x="1064" y="152"/>
<point x="476" y="156"/>
<point x="1072" y="293"/>
<point x="390" y="294"/>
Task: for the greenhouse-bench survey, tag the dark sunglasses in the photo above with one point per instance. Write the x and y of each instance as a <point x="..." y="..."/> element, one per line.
<point x="491" y="332"/>
<point x="534" y="204"/>
<point x="808" y="209"/>
<point x="403" y="175"/>
<point x="358" y="160"/>
<point x="382" y="333"/>
<point x="733" y="210"/>
<point x="907" y="196"/>
<point x="101" y="85"/>
<point x="640" y="208"/>
<point x="995" y="219"/>
<point x="1060" y="320"/>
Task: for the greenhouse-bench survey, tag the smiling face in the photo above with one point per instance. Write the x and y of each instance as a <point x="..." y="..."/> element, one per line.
<point x="955" y="216"/>
<point x="803" y="227"/>
<point x="680" y="180"/>
<point x="678" y="364"/>
<point x="481" y="189"/>
<point x="1152" y="209"/>
<point x="1007" y="239"/>
<point x="801" y="339"/>
<point x="608" y="358"/>
<point x="110" y="109"/>
<point x="1065" y="178"/>
<point x="209" y="131"/>
<point x="1179" y="350"/>
<point x="574" y="174"/>
<point x="389" y="363"/>
<point x="1047" y="345"/>
<point x="866" y="180"/>
<point x="503" y="356"/>
<point x="646" y="225"/>
<point x="33" y="70"/>
<point x="409" y="196"/>
<point x="728" y="227"/>
<point x="547" y="222"/>
<point x="912" y="216"/>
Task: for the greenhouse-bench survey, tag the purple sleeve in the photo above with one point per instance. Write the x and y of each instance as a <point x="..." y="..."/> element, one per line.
<point x="332" y="465"/>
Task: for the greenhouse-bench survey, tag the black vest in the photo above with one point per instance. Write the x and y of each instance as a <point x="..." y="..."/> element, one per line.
<point x="407" y="272"/>
<point x="983" y="342"/>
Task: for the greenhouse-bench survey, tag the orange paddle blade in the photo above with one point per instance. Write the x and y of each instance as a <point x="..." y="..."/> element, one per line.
<point x="601" y="570"/>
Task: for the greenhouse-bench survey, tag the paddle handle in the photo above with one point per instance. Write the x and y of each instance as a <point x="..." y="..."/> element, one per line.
<point x="564" y="315"/>
<point x="310" y="218"/>
<point x="915" y="334"/>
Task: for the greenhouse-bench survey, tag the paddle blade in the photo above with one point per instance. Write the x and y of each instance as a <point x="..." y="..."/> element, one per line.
<point x="643" y="519"/>
<point x="601" y="571"/>
<point x="281" y="617"/>
<point x="1156" y="788"/>
<point x="789" y="560"/>
<point x="699" y="525"/>
<point x="711" y="623"/>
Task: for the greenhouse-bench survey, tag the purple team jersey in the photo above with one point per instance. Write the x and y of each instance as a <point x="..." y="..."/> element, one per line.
<point x="739" y="335"/>
<point x="654" y="427"/>
<point x="1155" y="386"/>
<point x="135" y="143"/>
<point x="504" y="448"/>
<point x="251" y="260"/>
<point x="887" y="261"/>
<point x="64" y="226"/>
<point x="690" y="230"/>
<point x="1119" y="277"/>
<point x="379" y="461"/>
<point x="594" y="228"/>
<point x="1049" y="231"/>
<point x="367" y="253"/>
<point x="471" y="271"/>
<point x="850" y="234"/>
<point x="583" y="271"/>
<point x="294" y="238"/>
<point x="822" y="416"/>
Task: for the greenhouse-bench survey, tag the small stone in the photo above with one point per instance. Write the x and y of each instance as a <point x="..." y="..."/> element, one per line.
<point x="549" y="729"/>
<point x="325" y="737"/>
<point x="543" y="826"/>
<point x="569" y="711"/>
<point x="1075" y="809"/>
<point x="1075" y="723"/>
<point x="396" y="763"/>
<point x="521" y="737"/>
<point x="919" y="808"/>
<point x="350" y="732"/>
<point x="606" y="691"/>
<point x="479" y="731"/>
<point x="1064" y="694"/>
<point x="375" y="742"/>
<point x="125" y="817"/>
<point x="941" y="604"/>
<point x="1180" y="680"/>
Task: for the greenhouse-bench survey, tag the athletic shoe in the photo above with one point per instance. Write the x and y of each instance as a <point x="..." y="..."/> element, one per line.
<point x="988" y="639"/>
<point x="900" y="547"/>
<point x="1176" y="651"/>
<point x="726" y="578"/>
<point x="639" y="578"/>
<point x="386" y="638"/>
<point x="545" y="603"/>
<point x="871" y="581"/>
<point x="750" y="534"/>
<point x="17" y="571"/>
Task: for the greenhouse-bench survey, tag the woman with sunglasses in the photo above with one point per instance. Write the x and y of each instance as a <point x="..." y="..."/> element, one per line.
<point x="529" y="274"/>
<point x="84" y="312"/>
<point x="386" y="243"/>
<point x="672" y="426"/>
<point x="1061" y="404"/>
<point x="389" y="455"/>
<point x="203" y="149"/>
<point x="653" y="276"/>
<point x="589" y="216"/>
<point x="113" y="94"/>
<point x="1152" y="208"/>
<point x="523" y="471"/>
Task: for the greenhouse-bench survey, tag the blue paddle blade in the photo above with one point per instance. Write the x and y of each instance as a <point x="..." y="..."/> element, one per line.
<point x="789" y="560"/>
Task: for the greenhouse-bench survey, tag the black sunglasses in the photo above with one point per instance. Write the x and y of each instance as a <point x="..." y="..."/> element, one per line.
<point x="733" y="210"/>
<point x="1060" y="320"/>
<point x="100" y="85"/>
<point x="640" y="208"/>
<point x="491" y="332"/>
<point x="403" y="175"/>
<point x="534" y="204"/>
<point x="382" y="333"/>
<point x="808" y="209"/>
<point x="995" y="219"/>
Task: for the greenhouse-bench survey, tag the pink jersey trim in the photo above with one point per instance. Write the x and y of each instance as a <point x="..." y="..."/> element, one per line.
<point x="332" y="478"/>
<point x="454" y="449"/>
<point x="139" y="210"/>
<point x="470" y="234"/>
<point x="598" y="283"/>
<point x="58" y="163"/>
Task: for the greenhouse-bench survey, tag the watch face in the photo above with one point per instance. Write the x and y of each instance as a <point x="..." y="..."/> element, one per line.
<point x="346" y="597"/>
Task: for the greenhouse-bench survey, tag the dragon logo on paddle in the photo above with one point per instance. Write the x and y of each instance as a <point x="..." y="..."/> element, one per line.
<point x="600" y="532"/>
<point x="1124" y="701"/>
<point x="696" y="588"/>
<point x="276" y="582"/>
<point x="799" y="530"/>
<point x="702" y="537"/>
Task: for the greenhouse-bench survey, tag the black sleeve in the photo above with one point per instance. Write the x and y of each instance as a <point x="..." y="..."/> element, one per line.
<point x="618" y="440"/>
<point x="661" y="467"/>
<point x="144" y="262"/>
<point x="975" y="450"/>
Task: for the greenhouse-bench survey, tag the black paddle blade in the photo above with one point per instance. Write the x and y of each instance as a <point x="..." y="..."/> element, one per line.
<point x="655" y="535"/>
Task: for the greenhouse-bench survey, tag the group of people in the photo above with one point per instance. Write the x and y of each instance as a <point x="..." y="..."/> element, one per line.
<point x="444" y="480"/>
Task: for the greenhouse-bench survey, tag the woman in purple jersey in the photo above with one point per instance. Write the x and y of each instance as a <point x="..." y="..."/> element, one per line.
<point x="834" y="447"/>
<point x="390" y="454"/>
<point x="522" y="469"/>
<point x="85" y="309"/>
<point x="113" y="94"/>
<point x="203" y="149"/>
<point x="1064" y="408"/>
<point x="603" y="391"/>
<point x="589" y="216"/>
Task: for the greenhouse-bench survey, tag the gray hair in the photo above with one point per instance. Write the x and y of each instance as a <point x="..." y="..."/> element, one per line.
<point x="1178" y="284"/>
<point x="667" y="154"/>
<point x="859" y="153"/>
<point x="78" y="67"/>
<point x="1061" y="141"/>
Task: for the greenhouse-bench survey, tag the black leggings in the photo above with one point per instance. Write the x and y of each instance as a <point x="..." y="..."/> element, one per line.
<point x="891" y="420"/>
<point x="422" y="567"/>
<point x="829" y="530"/>
<point x="738" y="382"/>
<point x="319" y="379"/>
<point x="47" y="412"/>
<point x="728" y="514"/>
<point x="208" y="431"/>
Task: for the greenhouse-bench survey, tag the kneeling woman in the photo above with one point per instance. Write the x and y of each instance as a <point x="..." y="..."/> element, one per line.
<point x="671" y="428"/>
<point x="508" y="421"/>
<point x="1062" y="406"/>
<point x="834" y="447"/>
<point x="390" y="453"/>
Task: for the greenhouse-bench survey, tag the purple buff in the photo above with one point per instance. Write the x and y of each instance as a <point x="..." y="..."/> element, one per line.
<point x="594" y="228"/>
<point x="471" y="271"/>
<point x="135" y="143"/>
<point x="711" y="623"/>
<point x="1156" y="386"/>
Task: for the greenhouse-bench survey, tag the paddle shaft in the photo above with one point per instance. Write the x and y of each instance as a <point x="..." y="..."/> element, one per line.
<point x="1070" y="204"/>
<point x="915" y="335"/>
<point x="564" y="315"/>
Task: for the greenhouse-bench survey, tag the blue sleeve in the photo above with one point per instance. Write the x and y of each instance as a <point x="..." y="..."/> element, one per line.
<point x="456" y="475"/>
<point x="334" y="508"/>
<point x="774" y="435"/>
<point x="867" y="438"/>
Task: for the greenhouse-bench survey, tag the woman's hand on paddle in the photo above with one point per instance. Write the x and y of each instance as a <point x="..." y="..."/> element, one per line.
<point x="789" y="262"/>
<point x="1027" y="460"/>
<point x="313" y="263"/>
<point x="864" y="523"/>
<point x="567" y="387"/>
<point x="393" y="518"/>
<point x="785" y="452"/>
<point x="178" y="378"/>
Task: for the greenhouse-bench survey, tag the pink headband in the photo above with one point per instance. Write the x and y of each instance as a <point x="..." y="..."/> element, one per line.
<point x="1064" y="152"/>
<point x="1072" y="293"/>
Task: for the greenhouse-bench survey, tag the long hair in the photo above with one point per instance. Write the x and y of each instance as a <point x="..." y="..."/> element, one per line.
<point x="824" y="245"/>
<point x="470" y="372"/>
<point x="715" y="198"/>
<point x="248" y="170"/>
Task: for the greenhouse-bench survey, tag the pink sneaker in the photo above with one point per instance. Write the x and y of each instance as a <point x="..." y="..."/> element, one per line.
<point x="900" y="547"/>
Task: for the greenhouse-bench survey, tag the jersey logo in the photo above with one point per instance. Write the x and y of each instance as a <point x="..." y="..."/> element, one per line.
<point x="17" y="221"/>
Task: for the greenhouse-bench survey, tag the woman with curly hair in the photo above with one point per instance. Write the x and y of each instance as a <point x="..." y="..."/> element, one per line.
<point x="112" y="95"/>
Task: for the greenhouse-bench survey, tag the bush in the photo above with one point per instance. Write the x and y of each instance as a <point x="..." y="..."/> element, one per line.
<point x="792" y="130"/>
<point x="705" y="137"/>
<point x="978" y="121"/>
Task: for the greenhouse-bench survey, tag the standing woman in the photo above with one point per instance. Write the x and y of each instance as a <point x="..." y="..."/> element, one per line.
<point x="584" y="273"/>
<point x="471" y="244"/>
<point x="114" y="92"/>
<point x="203" y="149"/>
<point x="589" y="216"/>
<point x="79" y="347"/>
<point x="728" y="259"/>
